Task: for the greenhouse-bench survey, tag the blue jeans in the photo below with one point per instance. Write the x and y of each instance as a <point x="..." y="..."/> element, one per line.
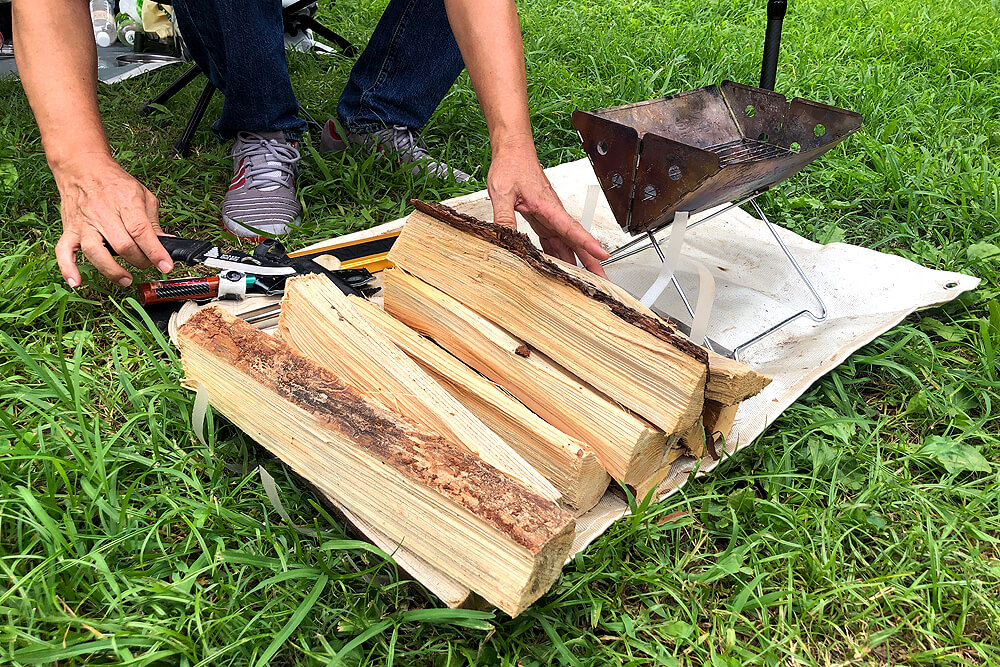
<point x="405" y="71"/>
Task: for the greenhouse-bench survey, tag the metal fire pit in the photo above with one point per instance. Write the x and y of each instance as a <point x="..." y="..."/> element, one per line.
<point x="705" y="147"/>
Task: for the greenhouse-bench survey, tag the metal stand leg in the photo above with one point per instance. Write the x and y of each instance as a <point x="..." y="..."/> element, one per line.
<point x="633" y="247"/>
<point x="629" y="248"/>
<point x="295" y="19"/>
<point x="802" y="274"/>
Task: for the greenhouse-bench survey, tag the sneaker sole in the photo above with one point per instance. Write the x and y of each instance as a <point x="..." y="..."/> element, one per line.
<point x="226" y="222"/>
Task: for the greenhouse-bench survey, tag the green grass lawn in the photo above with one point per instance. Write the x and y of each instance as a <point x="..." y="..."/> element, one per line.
<point x="862" y="528"/>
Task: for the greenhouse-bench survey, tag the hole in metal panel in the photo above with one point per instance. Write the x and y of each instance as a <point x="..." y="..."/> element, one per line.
<point x="951" y="285"/>
<point x="648" y="193"/>
<point x="763" y="137"/>
<point x="602" y="148"/>
<point x="674" y="172"/>
<point x="795" y="147"/>
<point x="616" y="180"/>
<point x="819" y="130"/>
<point x="750" y="111"/>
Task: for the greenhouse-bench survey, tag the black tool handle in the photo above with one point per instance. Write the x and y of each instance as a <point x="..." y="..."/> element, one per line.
<point x="189" y="251"/>
<point x="776" y="10"/>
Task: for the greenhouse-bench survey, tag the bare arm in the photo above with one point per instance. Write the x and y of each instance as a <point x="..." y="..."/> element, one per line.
<point x="57" y="61"/>
<point x="489" y="37"/>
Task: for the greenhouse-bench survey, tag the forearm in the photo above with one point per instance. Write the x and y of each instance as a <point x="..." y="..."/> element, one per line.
<point x="489" y="37"/>
<point x="57" y="62"/>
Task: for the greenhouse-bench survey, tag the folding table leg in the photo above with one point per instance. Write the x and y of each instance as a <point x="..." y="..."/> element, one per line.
<point x="183" y="145"/>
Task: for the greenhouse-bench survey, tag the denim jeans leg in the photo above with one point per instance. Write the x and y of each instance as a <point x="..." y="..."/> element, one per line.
<point x="240" y="47"/>
<point x="410" y="62"/>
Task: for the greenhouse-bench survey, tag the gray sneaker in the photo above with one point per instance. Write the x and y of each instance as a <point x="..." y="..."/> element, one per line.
<point x="398" y="140"/>
<point x="261" y="197"/>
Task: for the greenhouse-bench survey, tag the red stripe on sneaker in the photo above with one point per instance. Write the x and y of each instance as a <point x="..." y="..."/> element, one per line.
<point x="332" y="130"/>
<point x="239" y="178"/>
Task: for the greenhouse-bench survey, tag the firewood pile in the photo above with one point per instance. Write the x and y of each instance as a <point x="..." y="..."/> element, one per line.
<point x="492" y="401"/>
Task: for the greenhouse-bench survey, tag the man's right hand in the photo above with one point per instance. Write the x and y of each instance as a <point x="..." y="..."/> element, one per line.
<point x="56" y="57"/>
<point x="100" y="201"/>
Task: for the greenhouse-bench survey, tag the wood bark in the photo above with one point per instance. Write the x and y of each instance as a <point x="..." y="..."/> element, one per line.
<point x="729" y="381"/>
<point x="629" y="448"/>
<point x="637" y="360"/>
<point x="571" y="467"/>
<point x="319" y="322"/>
<point x="466" y="518"/>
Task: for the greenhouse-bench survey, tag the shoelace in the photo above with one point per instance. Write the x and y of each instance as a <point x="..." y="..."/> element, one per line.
<point x="403" y="140"/>
<point x="278" y="163"/>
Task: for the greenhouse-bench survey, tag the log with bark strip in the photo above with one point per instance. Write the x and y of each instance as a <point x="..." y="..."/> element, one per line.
<point x="323" y="325"/>
<point x="466" y="518"/>
<point x="637" y="360"/>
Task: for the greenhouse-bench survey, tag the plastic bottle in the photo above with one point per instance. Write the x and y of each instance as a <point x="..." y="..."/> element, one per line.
<point x="127" y="29"/>
<point x="103" y="18"/>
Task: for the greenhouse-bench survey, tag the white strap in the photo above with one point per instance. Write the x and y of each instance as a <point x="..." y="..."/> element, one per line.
<point x="670" y="258"/>
<point x="590" y="206"/>
<point x="232" y="290"/>
<point x="706" y="299"/>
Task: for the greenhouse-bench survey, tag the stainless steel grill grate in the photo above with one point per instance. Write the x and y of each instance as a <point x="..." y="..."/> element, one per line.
<point x="746" y="150"/>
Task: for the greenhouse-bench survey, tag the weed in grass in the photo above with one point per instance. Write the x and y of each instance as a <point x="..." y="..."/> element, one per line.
<point x="861" y="529"/>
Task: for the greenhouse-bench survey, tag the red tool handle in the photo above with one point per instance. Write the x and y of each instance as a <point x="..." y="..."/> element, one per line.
<point x="181" y="289"/>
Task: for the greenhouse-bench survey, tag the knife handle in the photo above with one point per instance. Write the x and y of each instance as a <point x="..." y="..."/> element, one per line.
<point x="189" y="251"/>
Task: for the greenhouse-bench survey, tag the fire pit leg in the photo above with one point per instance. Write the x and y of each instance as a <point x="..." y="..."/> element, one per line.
<point x="816" y="317"/>
<point x="671" y="257"/>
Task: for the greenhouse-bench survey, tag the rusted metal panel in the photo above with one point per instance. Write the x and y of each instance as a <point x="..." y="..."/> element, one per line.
<point x="692" y="151"/>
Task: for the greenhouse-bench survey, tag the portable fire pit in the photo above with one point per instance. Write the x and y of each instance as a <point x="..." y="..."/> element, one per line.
<point x="702" y="148"/>
<point x="663" y="160"/>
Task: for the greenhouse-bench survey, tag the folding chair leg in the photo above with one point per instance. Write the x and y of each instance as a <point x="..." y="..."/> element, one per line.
<point x="346" y="47"/>
<point x="171" y="90"/>
<point x="183" y="145"/>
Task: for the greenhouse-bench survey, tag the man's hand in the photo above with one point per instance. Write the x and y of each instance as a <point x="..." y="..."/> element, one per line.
<point x="489" y="37"/>
<point x="101" y="201"/>
<point x="516" y="182"/>
<point x="57" y="61"/>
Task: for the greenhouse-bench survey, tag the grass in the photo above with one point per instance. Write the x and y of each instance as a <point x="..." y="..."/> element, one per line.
<point x="862" y="528"/>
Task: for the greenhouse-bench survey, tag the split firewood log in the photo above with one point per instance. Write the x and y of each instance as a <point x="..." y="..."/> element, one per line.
<point x="322" y="324"/>
<point x="566" y="462"/>
<point x="630" y="448"/>
<point x="466" y="518"/>
<point x="639" y="361"/>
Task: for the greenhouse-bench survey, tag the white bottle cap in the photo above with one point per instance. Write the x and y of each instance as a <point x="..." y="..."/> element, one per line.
<point x="103" y="39"/>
